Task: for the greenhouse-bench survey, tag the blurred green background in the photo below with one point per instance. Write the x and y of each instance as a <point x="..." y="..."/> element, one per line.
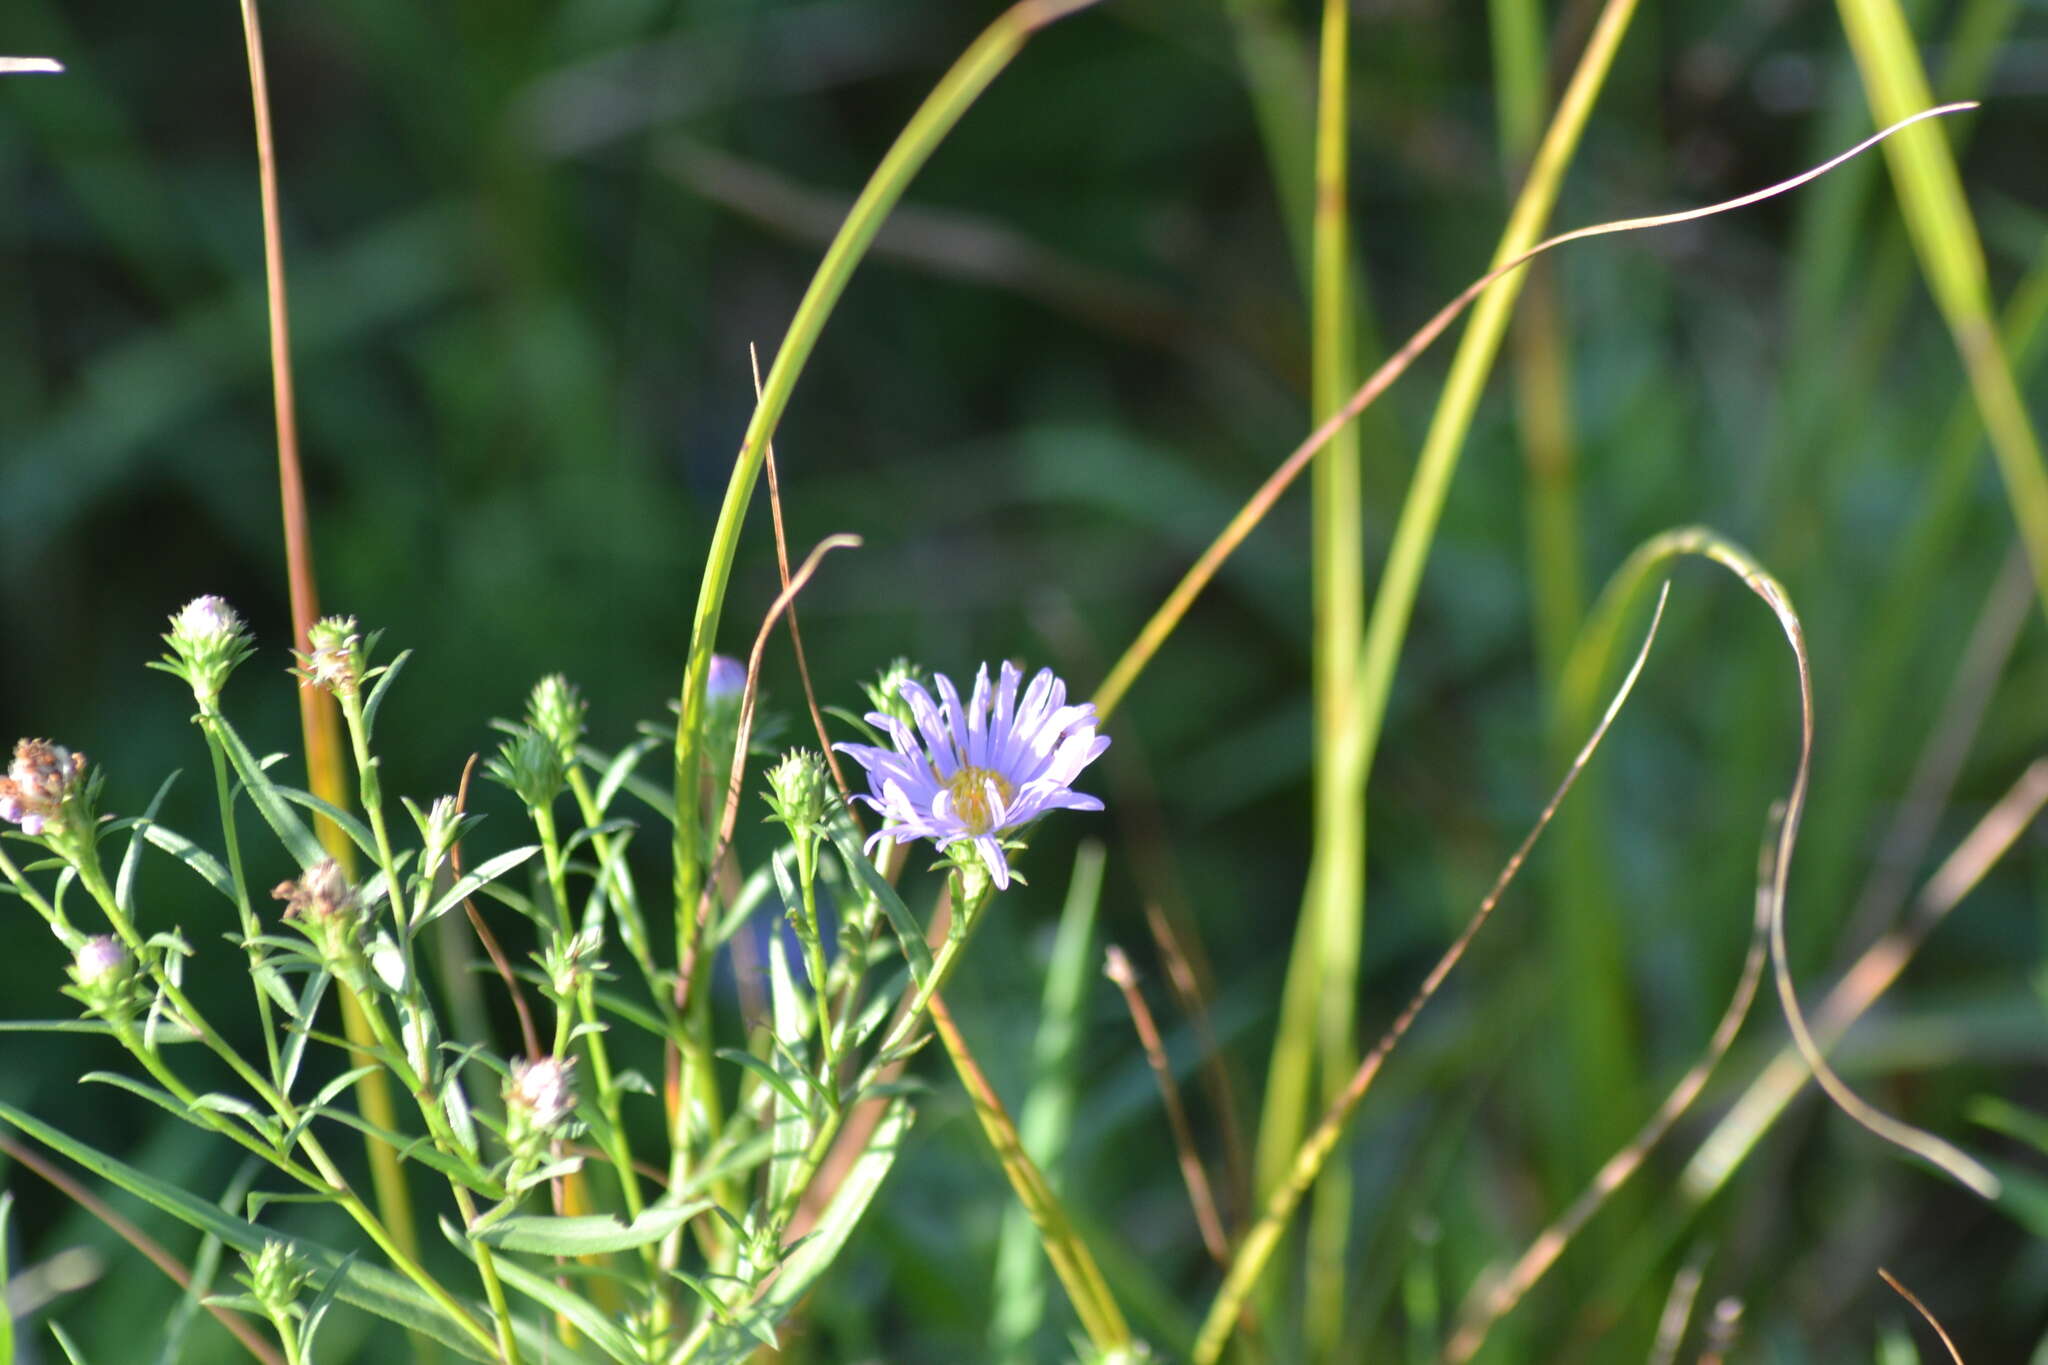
<point x="530" y="243"/>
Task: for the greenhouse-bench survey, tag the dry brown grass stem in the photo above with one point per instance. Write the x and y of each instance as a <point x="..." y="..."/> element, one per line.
<point x="1258" y="1243"/>
<point x="1868" y="978"/>
<point x="1156" y="630"/>
<point x="796" y="636"/>
<point x="1117" y="967"/>
<point x="736" y="779"/>
<point x="151" y="1249"/>
<point x="1677" y="1314"/>
<point x="1921" y="1308"/>
<point x="1937" y="1152"/>
<point x="528" y="1034"/>
<point x="1497" y="1294"/>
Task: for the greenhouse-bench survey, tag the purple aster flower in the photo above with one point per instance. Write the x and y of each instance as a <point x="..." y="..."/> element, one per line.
<point x="977" y="771"/>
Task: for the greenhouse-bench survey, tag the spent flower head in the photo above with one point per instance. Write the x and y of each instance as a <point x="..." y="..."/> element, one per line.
<point x="45" y="790"/>
<point x="208" y="642"/>
<point x="540" y="1099"/>
<point x="972" y="773"/>
<point x="329" y="912"/>
<point x="337" y="660"/>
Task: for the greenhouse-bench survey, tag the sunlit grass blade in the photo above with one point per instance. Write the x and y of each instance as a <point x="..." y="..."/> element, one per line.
<point x="1944" y="236"/>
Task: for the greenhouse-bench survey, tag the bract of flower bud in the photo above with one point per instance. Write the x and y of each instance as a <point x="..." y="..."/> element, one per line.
<point x="531" y="765"/>
<point x="44" y="784"/>
<point x="540" y="1094"/>
<point x="799" y="793"/>
<point x="885" y="693"/>
<point x="570" y="960"/>
<point x="208" y="641"/>
<point x="555" y="711"/>
<point x="335" y="662"/>
<point x="440" y="827"/>
<point x="277" y="1275"/>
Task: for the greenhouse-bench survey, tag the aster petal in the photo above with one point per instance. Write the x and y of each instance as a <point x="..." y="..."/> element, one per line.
<point x="938" y="748"/>
<point x="955" y="716"/>
<point x="1006" y="698"/>
<point x="991" y="852"/>
<point x="976" y="748"/>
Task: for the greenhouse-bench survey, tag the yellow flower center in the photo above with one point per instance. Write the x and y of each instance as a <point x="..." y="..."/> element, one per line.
<point x="969" y="788"/>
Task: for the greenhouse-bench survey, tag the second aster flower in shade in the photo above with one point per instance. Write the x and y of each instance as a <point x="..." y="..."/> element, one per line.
<point x="977" y="771"/>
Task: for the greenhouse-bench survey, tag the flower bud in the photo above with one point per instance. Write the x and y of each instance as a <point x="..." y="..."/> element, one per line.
<point x="277" y="1275"/>
<point x="555" y="711"/>
<point x="100" y="959"/>
<point x="103" y="976"/>
<point x="208" y="641"/>
<point x="337" y="660"/>
<point x="799" y="789"/>
<point x="44" y="785"/>
<point x="440" y="827"/>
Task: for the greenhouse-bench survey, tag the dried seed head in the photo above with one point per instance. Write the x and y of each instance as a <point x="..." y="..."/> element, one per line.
<point x="43" y="779"/>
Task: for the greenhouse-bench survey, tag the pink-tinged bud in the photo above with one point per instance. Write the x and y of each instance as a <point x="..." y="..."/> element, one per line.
<point x="100" y="960"/>
<point x="321" y="896"/>
<point x="42" y="778"/>
<point x="543" y="1091"/>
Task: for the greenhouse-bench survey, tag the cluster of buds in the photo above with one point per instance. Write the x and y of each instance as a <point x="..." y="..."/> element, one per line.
<point x="329" y="912"/>
<point x="208" y="642"/>
<point x="555" y="712"/>
<point x="336" y="659"/>
<point x="45" y="790"/>
<point x="103" y="978"/>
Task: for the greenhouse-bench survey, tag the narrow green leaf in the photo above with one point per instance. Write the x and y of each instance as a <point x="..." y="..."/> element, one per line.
<point x="131" y="857"/>
<point x="367" y="1287"/>
<point x="803" y="1266"/>
<point x="545" y="1235"/>
<point x="470" y="882"/>
<point x="263" y="794"/>
<point x="6" y="1314"/>
<point x="70" y="1347"/>
<point x="585" y="1316"/>
<point x="767" y="1075"/>
<point x="847" y="840"/>
<point x="358" y="832"/>
<point x="375" y="701"/>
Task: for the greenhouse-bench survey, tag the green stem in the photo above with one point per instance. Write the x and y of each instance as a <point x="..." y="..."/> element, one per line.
<point x="231" y="837"/>
<point x="487" y="1270"/>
